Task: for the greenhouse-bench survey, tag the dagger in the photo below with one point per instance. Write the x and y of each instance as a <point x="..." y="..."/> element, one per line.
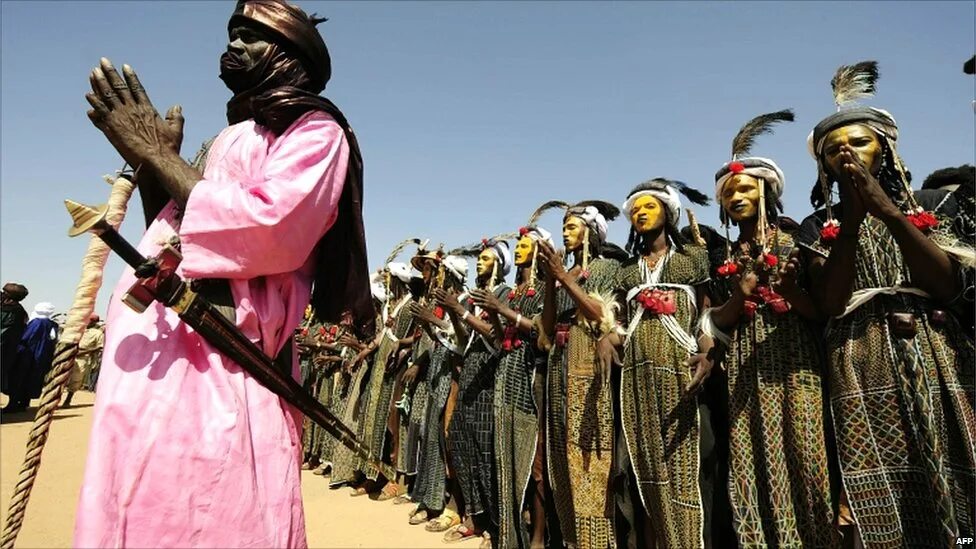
<point x="158" y="281"/>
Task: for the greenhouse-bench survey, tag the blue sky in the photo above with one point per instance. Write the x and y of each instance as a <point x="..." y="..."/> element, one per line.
<point x="470" y="114"/>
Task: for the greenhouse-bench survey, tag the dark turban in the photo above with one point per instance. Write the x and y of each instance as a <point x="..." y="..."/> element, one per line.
<point x="15" y="291"/>
<point x="284" y="87"/>
<point x="290" y="23"/>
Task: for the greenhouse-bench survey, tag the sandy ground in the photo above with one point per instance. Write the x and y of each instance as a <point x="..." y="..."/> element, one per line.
<point x="333" y="518"/>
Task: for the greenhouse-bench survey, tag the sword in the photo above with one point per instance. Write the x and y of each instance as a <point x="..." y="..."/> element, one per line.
<point x="158" y="281"/>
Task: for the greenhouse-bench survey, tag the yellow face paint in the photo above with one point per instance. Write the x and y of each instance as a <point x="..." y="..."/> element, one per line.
<point x="864" y="141"/>
<point x="486" y="262"/>
<point x="740" y="197"/>
<point x="523" y="251"/>
<point x="647" y="214"/>
<point x="574" y="229"/>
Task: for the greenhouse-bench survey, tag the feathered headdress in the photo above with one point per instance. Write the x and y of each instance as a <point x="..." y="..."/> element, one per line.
<point x="770" y="176"/>
<point x="498" y="245"/>
<point x="398" y="249"/>
<point x="851" y="83"/>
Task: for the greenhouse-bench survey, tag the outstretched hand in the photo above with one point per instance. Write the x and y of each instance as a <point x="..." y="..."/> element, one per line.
<point x="121" y="109"/>
<point x="550" y="260"/>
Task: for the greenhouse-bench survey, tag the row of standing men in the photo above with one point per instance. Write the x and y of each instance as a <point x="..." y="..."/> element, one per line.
<point x="802" y="385"/>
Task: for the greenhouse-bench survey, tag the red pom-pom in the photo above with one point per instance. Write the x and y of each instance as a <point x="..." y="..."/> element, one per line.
<point x="830" y="230"/>
<point x="321" y="330"/>
<point x="485" y="243"/>
<point x="470" y="301"/>
<point x="923" y="220"/>
<point x="584" y="275"/>
<point x="523" y="231"/>
<point x="304" y="331"/>
<point x="728" y="268"/>
<point x="771" y="260"/>
<point x="511" y="295"/>
<point x="518" y="343"/>
<point x="530" y="292"/>
<point x="737" y="167"/>
<point x="439" y="312"/>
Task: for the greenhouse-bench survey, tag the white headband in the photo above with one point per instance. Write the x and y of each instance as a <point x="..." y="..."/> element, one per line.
<point x="770" y="173"/>
<point x="669" y="197"/>
<point x="457" y="266"/>
<point x="592" y="217"/>
<point x="401" y="271"/>
<point x="377" y="287"/>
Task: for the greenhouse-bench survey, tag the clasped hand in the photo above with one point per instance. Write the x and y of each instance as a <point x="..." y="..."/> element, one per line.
<point x="121" y="109"/>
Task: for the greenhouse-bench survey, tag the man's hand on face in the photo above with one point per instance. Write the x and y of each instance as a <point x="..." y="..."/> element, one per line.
<point x="122" y="111"/>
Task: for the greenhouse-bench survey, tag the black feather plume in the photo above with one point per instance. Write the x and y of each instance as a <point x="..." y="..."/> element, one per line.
<point x="543" y="209"/>
<point x="760" y="125"/>
<point x="693" y="195"/>
<point x="473" y="250"/>
<point x="606" y="209"/>
<point x="852" y="82"/>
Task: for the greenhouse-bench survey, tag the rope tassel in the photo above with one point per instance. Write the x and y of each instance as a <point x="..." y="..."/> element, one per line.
<point x="92" y="269"/>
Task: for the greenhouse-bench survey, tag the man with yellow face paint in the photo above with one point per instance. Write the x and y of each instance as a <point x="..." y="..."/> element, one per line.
<point x="514" y="408"/>
<point x="665" y="364"/>
<point x="887" y="272"/>
<point x="779" y="486"/>
<point x="575" y="432"/>
<point x="472" y="428"/>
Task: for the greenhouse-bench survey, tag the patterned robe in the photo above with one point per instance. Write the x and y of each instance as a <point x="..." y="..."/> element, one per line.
<point x="373" y="426"/>
<point x="412" y="423"/>
<point x="472" y="426"/>
<point x="431" y="483"/>
<point x="779" y="484"/>
<point x="902" y="400"/>
<point x="580" y="422"/>
<point x="516" y="421"/>
<point x="660" y="422"/>
<point x="348" y="404"/>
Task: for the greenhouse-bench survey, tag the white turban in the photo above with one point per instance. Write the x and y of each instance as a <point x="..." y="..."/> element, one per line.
<point x="537" y="234"/>
<point x="43" y="310"/>
<point x="457" y="266"/>
<point x="401" y="271"/>
<point x="593" y="218"/>
<point x="668" y="196"/>
<point x="503" y="256"/>
<point x="758" y="167"/>
<point x="377" y="286"/>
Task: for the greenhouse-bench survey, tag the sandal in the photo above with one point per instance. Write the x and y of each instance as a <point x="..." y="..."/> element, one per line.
<point x="485" y="541"/>
<point x="459" y="534"/>
<point x="446" y="521"/>
<point x="419" y="516"/>
<point x="400" y="500"/>
<point x="388" y="493"/>
<point x="323" y="470"/>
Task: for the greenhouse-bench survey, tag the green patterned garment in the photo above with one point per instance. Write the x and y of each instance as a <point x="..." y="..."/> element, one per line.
<point x="373" y="426"/>
<point x="779" y="485"/>
<point x="660" y="423"/>
<point x="516" y="422"/>
<point x="579" y="424"/>
<point x="902" y="404"/>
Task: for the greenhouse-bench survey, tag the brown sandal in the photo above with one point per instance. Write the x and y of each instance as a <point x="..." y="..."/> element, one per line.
<point x="459" y="534"/>
<point x="419" y="516"/>
<point x="443" y="523"/>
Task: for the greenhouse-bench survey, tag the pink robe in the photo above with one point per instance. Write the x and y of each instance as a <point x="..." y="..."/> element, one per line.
<point x="186" y="449"/>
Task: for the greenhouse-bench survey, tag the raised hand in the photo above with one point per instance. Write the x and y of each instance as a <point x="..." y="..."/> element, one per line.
<point x="550" y="260"/>
<point x="121" y="109"/>
<point x="486" y="300"/>
<point x="746" y="278"/>
<point x="875" y="200"/>
<point x="785" y="282"/>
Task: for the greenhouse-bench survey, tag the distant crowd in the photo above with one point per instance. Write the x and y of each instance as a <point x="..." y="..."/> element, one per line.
<point x="27" y="343"/>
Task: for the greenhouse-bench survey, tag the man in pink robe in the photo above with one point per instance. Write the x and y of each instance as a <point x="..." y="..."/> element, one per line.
<point x="186" y="449"/>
